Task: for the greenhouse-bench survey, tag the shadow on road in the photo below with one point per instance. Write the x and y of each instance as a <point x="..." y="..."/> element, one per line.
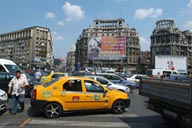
<point x="3" y="111"/>
<point x="32" y="113"/>
<point x="147" y="122"/>
<point x="65" y="114"/>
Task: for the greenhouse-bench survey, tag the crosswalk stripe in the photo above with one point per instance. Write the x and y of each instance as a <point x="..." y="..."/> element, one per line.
<point x="80" y="123"/>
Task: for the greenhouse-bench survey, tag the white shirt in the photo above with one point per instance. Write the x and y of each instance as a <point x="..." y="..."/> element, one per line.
<point x="37" y="75"/>
<point x="16" y="85"/>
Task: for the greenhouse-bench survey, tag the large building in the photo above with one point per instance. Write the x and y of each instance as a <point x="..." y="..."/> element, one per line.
<point x="29" y="47"/>
<point x="167" y="39"/>
<point x="145" y="61"/>
<point x="71" y="57"/>
<point x="108" y="43"/>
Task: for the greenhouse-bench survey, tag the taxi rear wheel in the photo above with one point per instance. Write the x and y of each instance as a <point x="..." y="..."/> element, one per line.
<point x="118" y="107"/>
<point x="52" y="110"/>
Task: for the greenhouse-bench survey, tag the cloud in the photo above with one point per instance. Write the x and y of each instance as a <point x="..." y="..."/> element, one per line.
<point x="49" y="15"/>
<point x="56" y="36"/>
<point x="145" y="44"/>
<point x="61" y="23"/>
<point x="73" y="12"/>
<point x="148" y="13"/>
<point x="189" y="4"/>
<point x="188" y="25"/>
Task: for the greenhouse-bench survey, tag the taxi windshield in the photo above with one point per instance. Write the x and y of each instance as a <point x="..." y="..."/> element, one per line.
<point x="51" y="82"/>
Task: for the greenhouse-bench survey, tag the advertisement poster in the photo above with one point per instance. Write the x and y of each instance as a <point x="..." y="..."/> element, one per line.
<point x="107" y="48"/>
<point x="177" y="63"/>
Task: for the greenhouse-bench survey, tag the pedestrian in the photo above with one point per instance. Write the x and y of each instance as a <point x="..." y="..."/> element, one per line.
<point x="37" y="75"/>
<point x="17" y="90"/>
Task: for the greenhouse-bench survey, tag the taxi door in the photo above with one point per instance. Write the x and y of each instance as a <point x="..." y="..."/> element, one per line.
<point x="96" y="97"/>
<point x="73" y="97"/>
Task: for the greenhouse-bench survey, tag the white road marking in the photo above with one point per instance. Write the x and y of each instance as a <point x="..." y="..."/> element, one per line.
<point x="91" y="124"/>
<point x="4" y="123"/>
<point x="80" y="123"/>
<point x="87" y="123"/>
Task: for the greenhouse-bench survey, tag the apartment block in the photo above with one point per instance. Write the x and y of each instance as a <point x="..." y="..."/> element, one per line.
<point x="29" y="47"/>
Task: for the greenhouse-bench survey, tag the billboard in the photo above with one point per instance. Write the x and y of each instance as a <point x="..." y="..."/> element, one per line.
<point x="178" y="63"/>
<point x="107" y="48"/>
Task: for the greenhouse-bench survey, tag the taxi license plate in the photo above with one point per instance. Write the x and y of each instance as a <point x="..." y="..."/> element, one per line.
<point x="170" y="113"/>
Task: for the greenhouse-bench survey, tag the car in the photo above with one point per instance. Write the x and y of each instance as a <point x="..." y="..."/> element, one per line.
<point x="124" y="75"/>
<point x="5" y="78"/>
<point x="73" y="93"/>
<point x="3" y="100"/>
<point x="43" y="73"/>
<point x="51" y="76"/>
<point x="179" y="77"/>
<point x="118" y="80"/>
<point x="136" y="78"/>
<point x="81" y="73"/>
<point x="109" y="84"/>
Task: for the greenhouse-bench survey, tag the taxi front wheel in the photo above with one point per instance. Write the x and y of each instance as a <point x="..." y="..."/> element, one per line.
<point x="52" y="110"/>
<point x="118" y="107"/>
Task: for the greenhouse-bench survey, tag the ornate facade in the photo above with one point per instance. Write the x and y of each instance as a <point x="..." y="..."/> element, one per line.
<point x="120" y="48"/>
<point x="167" y="39"/>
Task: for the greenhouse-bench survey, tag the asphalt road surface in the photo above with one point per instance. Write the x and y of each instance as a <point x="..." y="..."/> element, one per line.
<point x="137" y="116"/>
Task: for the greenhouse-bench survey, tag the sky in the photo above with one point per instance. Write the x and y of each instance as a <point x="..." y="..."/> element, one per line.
<point x="67" y="18"/>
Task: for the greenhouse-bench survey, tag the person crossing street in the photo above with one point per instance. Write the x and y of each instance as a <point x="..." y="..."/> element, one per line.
<point x="17" y="91"/>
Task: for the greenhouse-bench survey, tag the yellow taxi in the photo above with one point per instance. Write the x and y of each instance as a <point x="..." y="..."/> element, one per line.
<point x="52" y="76"/>
<point x="75" y="93"/>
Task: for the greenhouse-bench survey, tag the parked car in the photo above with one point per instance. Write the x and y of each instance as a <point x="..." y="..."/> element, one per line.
<point x="5" y="78"/>
<point x="136" y="78"/>
<point x="124" y="75"/>
<point x="118" y="80"/>
<point x="81" y="73"/>
<point x="72" y="93"/>
<point x="3" y="100"/>
<point x="109" y="84"/>
<point x="43" y="73"/>
<point x="179" y="77"/>
<point x="52" y="76"/>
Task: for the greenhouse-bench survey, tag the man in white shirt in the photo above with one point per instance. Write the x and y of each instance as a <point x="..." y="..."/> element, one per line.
<point x="17" y="90"/>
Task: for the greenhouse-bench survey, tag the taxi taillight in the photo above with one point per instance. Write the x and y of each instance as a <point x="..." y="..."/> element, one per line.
<point x="34" y="94"/>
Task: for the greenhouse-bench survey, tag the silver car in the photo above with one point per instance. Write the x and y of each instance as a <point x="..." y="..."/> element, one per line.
<point x="109" y="84"/>
<point x="3" y="100"/>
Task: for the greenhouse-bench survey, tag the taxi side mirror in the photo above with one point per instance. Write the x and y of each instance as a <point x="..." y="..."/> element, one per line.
<point x="109" y="84"/>
<point x="105" y="92"/>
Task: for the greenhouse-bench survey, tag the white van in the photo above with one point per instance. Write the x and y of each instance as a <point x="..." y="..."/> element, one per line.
<point x="9" y="66"/>
<point x="160" y="72"/>
<point x="110" y="71"/>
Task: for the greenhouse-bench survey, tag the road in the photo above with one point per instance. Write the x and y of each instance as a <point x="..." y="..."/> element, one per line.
<point x="137" y="116"/>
